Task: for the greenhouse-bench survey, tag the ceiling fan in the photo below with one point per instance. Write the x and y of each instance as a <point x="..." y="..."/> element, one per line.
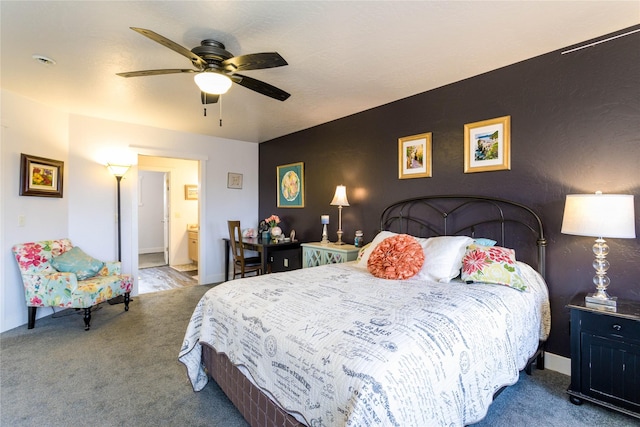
<point x="215" y="68"/>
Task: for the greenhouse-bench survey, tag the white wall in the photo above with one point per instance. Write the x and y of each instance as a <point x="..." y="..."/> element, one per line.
<point x="33" y="129"/>
<point x="87" y="212"/>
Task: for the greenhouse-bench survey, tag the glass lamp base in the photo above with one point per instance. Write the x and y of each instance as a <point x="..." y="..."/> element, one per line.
<point x="596" y="299"/>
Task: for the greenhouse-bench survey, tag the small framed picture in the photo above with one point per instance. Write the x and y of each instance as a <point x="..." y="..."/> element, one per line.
<point x="40" y="177"/>
<point x="191" y="192"/>
<point x="290" y="185"/>
<point x="414" y="156"/>
<point x="234" y="180"/>
<point x="487" y="145"/>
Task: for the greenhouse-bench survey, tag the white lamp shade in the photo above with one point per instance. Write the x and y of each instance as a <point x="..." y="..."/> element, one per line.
<point x="340" y="198"/>
<point x="599" y="215"/>
<point x="213" y="83"/>
<point x="117" y="170"/>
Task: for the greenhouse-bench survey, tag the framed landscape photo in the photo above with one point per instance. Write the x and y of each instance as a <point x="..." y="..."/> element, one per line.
<point x="40" y="177"/>
<point x="234" y="180"/>
<point x="290" y="185"/>
<point x="414" y="156"/>
<point x="487" y="145"/>
<point x="191" y="192"/>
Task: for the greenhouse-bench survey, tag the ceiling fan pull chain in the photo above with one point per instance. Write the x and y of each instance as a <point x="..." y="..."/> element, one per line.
<point x="205" y="111"/>
<point x="220" y="110"/>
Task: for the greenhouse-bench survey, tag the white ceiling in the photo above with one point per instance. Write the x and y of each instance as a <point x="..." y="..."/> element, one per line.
<point x="344" y="57"/>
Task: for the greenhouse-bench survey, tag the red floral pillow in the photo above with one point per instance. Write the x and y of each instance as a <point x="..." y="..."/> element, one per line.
<point x="397" y="257"/>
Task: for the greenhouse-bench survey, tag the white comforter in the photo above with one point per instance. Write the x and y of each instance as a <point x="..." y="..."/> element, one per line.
<point x="338" y="347"/>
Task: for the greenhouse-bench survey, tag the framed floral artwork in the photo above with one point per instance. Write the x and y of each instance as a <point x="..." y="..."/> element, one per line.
<point x="414" y="156"/>
<point x="290" y="179"/>
<point x="40" y="177"/>
<point x="487" y="145"/>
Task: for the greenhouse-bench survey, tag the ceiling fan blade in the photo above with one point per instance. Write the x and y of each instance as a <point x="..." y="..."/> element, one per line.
<point x="199" y="62"/>
<point x="155" y="72"/>
<point x="254" y="61"/>
<point x="208" y="98"/>
<point x="260" y="87"/>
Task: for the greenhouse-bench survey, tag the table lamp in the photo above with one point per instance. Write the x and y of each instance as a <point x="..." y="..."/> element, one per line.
<point x="340" y="200"/>
<point x="600" y="215"/>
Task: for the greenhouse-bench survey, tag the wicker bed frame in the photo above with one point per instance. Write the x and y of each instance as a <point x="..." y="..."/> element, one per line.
<point x="509" y="223"/>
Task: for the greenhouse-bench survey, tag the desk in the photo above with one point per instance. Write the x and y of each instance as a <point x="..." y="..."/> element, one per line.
<point x="275" y="257"/>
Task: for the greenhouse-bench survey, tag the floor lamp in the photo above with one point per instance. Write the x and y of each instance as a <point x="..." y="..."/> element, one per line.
<point x="118" y="171"/>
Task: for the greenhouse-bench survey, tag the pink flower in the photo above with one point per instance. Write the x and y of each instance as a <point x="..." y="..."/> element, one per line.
<point x="273" y="220"/>
<point x="36" y="301"/>
<point x="474" y="261"/>
<point x="499" y="255"/>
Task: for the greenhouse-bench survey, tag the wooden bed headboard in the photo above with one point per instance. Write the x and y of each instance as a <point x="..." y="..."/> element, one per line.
<point x="511" y="224"/>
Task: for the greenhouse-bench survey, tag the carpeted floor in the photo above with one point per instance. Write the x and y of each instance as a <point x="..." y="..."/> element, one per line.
<point x="125" y="372"/>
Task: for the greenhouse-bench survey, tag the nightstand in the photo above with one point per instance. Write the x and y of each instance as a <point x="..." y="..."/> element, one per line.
<point x="316" y="253"/>
<point x="605" y="356"/>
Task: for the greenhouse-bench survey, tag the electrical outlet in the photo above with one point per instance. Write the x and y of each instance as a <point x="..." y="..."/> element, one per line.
<point x="21" y="220"/>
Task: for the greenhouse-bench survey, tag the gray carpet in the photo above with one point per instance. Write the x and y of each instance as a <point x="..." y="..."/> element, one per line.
<point x="124" y="372"/>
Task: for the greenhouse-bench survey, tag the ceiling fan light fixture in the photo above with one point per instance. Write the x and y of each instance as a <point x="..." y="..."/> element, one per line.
<point x="213" y="83"/>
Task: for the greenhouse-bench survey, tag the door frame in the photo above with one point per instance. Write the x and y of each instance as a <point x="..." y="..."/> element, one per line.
<point x="202" y="211"/>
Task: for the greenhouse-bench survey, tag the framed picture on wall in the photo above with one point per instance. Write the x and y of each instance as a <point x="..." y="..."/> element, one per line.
<point x="487" y="145"/>
<point x="414" y="156"/>
<point x="290" y="179"/>
<point x="40" y="177"/>
<point x="191" y="192"/>
<point x="234" y="180"/>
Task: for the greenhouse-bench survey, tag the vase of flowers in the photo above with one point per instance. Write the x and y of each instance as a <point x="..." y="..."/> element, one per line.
<point x="272" y="222"/>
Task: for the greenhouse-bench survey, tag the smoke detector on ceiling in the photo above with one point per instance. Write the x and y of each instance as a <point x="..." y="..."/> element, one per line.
<point x="44" y="60"/>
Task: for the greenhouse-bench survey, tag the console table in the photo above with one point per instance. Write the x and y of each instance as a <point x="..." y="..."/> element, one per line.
<point x="318" y="253"/>
<point x="276" y="257"/>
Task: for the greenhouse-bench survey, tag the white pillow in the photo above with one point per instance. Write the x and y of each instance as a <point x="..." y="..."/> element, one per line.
<point x="443" y="257"/>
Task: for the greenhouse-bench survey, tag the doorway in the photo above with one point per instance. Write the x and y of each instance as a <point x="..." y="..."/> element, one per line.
<point x="153" y="218"/>
<point x="165" y="215"/>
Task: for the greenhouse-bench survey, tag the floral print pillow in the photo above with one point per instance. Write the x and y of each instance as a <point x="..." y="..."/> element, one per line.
<point x="398" y="257"/>
<point x="495" y="264"/>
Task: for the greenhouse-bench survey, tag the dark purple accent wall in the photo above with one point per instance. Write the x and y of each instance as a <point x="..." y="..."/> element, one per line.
<point x="575" y="128"/>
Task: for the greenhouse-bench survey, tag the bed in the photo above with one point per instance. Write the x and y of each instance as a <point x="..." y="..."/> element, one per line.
<point x="344" y="344"/>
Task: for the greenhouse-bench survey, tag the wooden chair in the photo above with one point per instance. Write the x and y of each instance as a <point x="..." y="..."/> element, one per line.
<point x="241" y="264"/>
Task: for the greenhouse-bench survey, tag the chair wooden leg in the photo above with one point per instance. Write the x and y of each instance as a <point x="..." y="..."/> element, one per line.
<point x="31" y="317"/>
<point x="126" y="301"/>
<point x="87" y="318"/>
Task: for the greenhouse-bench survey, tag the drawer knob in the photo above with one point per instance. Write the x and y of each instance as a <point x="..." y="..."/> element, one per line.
<point x="617" y="327"/>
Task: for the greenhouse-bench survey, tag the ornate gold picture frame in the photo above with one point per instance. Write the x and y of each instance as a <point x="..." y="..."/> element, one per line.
<point x="414" y="156"/>
<point x="487" y="145"/>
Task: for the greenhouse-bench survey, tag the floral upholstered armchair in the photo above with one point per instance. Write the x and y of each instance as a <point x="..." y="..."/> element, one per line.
<point x="57" y="274"/>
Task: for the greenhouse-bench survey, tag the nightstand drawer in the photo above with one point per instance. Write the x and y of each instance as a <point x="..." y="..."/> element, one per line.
<point x="608" y="326"/>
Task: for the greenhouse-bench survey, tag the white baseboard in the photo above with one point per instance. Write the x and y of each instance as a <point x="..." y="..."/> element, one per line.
<point x="557" y="363"/>
<point x="150" y="250"/>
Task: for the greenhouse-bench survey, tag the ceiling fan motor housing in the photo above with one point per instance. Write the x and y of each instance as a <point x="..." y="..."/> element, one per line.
<point x="213" y="52"/>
